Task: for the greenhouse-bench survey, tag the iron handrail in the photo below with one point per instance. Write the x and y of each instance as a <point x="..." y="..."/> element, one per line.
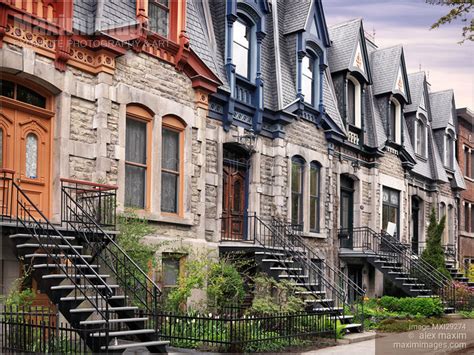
<point x="105" y="241"/>
<point x="339" y="293"/>
<point x="299" y="240"/>
<point x="33" y="226"/>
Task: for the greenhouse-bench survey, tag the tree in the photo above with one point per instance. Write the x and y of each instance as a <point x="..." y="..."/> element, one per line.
<point x="460" y="10"/>
<point x="434" y="253"/>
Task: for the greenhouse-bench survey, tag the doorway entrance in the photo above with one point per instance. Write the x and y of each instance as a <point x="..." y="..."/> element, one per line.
<point x="25" y="142"/>
<point x="235" y="192"/>
<point x="346" y="220"/>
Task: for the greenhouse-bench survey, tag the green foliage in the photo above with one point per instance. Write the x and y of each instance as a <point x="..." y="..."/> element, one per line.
<point x="460" y="11"/>
<point x="340" y="329"/>
<point x="225" y="286"/>
<point x="467" y="314"/>
<point x="20" y="295"/>
<point x="434" y="253"/>
<point x="427" y="307"/>
<point x="271" y="296"/>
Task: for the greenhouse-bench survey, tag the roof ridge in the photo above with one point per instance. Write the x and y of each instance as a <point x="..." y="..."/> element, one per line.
<point x="442" y="91"/>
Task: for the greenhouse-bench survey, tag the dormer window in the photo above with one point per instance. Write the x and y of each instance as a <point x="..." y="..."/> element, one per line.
<point x="158" y="16"/>
<point x="420" y="136"/>
<point x="308" y="78"/>
<point x="353" y="102"/>
<point x="394" y="121"/>
<point x="241" y="48"/>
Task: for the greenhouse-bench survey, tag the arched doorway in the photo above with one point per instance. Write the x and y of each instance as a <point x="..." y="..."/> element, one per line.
<point x="26" y="139"/>
<point x="235" y="191"/>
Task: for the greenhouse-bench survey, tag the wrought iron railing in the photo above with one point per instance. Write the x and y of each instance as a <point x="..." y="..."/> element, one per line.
<point x="382" y="244"/>
<point x="28" y="217"/>
<point x="97" y="200"/>
<point x="137" y="287"/>
<point x="310" y="274"/>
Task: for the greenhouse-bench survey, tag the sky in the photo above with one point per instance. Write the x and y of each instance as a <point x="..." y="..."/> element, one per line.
<point x="407" y="22"/>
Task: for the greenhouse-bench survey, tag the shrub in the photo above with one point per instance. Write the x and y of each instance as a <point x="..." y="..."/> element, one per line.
<point x="225" y="286"/>
<point x="434" y="253"/>
<point x="427" y="307"/>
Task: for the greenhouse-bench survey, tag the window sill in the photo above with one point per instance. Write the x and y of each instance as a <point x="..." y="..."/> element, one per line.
<point x="154" y="217"/>
<point x="470" y="179"/>
<point x="313" y="235"/>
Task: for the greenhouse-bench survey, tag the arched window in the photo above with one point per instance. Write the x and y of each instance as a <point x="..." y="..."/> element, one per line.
<point x="31" y="158"/>
<point x="354" y="103"/>
<point x="394" y="122"/>
<point x="1" y="148"/>
<point x="242" y="47"/>
<point x="308" y="78"/>
<point x="420" y="132"/>
<point x="137" y="157"/>
<point x="314" y="196"/>
<point x="297" y="169"/>
<point x="442" y="210"/>
<point x="172" y="165"/>
<point x="449" y="150"/>
<point x="21" y="93"/>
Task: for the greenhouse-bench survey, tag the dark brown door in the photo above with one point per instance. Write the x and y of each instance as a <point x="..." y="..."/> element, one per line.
<point x="233" y="203"/>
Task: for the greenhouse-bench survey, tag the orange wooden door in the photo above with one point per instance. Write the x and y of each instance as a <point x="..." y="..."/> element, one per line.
<point x="28" y="150"/>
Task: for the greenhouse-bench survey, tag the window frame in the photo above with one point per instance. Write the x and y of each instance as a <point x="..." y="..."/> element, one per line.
<point x="466" y="157"/>
<point x="175" y="124"/>
<point x="250" y="29"/>
<point x="312" y="60"/>
<point x="390" y="205"/>
<point x="395" y="129"/>
<point x="449" y="142"/>
<point x="421" y="137"/>
<point x="315" y="229"/>
<point x="298" y="161"/>
<point x="467" y="222"/>
<point x="138" y="113"/>
<point x="168" y="13"/>
<point x="181" y="258"/>
<point x="471" y="163"/>
<point x="357" y="101"/>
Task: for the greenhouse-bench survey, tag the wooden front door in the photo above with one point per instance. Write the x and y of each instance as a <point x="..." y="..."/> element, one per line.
<point x="233" y="203"/>
<point x="346" y="219"/>
<point x="26" y="149"/>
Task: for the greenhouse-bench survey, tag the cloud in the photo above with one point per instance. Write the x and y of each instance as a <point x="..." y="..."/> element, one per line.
<point x="407" y="22"/>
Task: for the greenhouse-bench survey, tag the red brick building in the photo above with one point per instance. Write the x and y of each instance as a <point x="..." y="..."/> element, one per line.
<point x="466" y="161"/>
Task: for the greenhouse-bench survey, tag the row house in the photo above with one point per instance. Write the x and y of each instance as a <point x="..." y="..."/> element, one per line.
<point x="232" y="126"/>
<point x="465" y="154"/>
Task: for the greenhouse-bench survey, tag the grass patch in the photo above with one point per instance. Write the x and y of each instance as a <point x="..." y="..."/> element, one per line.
<point x="404" y="325"/>
<point x="467" y="314"/>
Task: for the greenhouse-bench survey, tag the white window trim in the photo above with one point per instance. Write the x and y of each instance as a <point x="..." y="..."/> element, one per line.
<point x="357" y="101"/>
<point x="398" y="120"/>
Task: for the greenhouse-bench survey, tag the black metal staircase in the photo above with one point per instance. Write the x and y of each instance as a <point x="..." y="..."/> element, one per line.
<point x="285" y="256"/>
<point x="93" y="282"/>
<point x="408" y="271"/>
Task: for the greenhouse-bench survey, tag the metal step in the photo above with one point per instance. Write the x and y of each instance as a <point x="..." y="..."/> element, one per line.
<point x="111" y="309"/>
<point x="83" y="298"/>
<point x="416" y="285"/>
<point x="41" y="236"/>
<point x="293" y="276"/>
<point x="123" y="333"/>
<point x="326" y="309"/>
<point x="317" y="300"/>
<point x="72" y="287"/>
<point x="288" y="261"/>
<point x="49" y="246"/>
<point x="419" y="290"/>
<point x="283" y="268"/>
<point x="310" y="292"/>
<point x="115" y="320"/>
<point x="64" y="266"/>
<point x="73" y="276"/>
<point x="135" y="345"/>
<point x="61" y="256"/>
<point x="269" y="253"/>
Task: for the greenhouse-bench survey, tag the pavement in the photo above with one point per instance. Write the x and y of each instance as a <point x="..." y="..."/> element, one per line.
<point x="456" y="338"/>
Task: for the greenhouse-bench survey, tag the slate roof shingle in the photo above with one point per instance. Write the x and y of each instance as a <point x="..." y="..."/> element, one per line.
<point x="441" y="108"/>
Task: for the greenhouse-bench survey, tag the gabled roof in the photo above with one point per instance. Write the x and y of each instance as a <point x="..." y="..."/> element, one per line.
<point x="442" y="108"/>
<point x="348" y="46"/>
<point x="295" y="14"/>
<point x="437" y="167"/>
<point x="458" y="181"/>
<point x="417" y="86"/>
<point x="389" y="72"/>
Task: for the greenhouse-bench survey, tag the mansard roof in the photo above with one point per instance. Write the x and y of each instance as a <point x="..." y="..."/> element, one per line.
<point x="442" y="109"/>
<point x="347" y="42"/>
<point x="331" y="102"/>
<point x="295" y="13"/>
<point x="388" y="69"/>
<point x="376" y="136"/>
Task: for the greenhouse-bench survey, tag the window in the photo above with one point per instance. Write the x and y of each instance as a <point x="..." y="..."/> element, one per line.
<point x="136" y="163"/>
<point x="390" y="208"/>
<point x="472" y="218"/>
<point x="442" y="210"/>
<point x="31" y="159"/>
<point x="307" y="79"/>
<point x="241" y="48"/>
<point x="21" y="93"/>
<point x="171" y="165"/>
<point x="466" y="217"/>
<point x="420" y="130"/>
<point x="1" y="148"/>
<point x="314" y="193"/>
<point x="297" y="168"/>
<point x="158" y="16"/>
<point x="466" y="162"/>
<point x="351" y="102"/>
<point x="394" y="121"/>
<point x="449" y="151"/>
<point x="472" y="164"/>
<point x="173" y="268"/>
